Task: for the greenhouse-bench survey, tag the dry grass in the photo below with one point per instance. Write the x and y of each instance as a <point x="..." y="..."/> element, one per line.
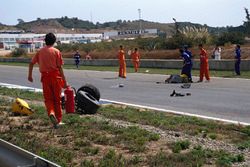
<point x="227" y="53"/>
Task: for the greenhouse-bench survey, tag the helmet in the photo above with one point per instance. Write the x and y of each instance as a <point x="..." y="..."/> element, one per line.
<point x="21" y="107"/>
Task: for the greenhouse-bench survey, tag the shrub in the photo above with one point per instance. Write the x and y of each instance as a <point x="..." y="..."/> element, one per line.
<point x="180" y="145"/>
<point x="232" y="37"/>
<point x="18" y="52"/>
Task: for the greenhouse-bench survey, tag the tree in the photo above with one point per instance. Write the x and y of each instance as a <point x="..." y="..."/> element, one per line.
<point x="247" y="15"/>
<point x="247" y="22"/>
<point x="20" y="21"/>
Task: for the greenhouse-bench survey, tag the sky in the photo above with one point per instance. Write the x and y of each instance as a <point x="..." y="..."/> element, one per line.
<point x="216" y="13"/>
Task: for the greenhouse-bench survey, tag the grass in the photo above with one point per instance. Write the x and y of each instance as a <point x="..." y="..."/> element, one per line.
<point x="24" y="94"/>
<point x="213" y="73"/>
<point x="88" y="141"/>
<point x="197" y="156"/>
<point x="177" y="147"/>
<point x="190" y="125"/>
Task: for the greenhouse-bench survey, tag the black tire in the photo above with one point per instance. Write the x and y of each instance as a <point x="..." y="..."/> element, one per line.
<point x="86" y="103"/>
<point x="92" y="90"/>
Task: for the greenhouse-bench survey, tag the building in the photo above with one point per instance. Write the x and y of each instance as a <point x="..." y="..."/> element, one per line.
<point x="35" y="41"/>
<point x="130" y="33"/>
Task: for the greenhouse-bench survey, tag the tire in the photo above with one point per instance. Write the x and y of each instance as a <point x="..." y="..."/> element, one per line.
<point x="86" y="103"/>
<point x="92" y="90"/>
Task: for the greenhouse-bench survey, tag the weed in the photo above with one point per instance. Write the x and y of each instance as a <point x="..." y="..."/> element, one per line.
<point x="63" y="141"/>
<point x="244" y="145"/>
<point x="246" y="130"/>
<point x="111" y="159"/>
<point x="180" y="145"/>
<point x="87" y="163"/>
<point x="135" y="160"/>
<point x="226" y="159"/>
<point x="212" y="136"/>
<point x="90" y="150"/>
<point x="82" y="143"/>
<point x="59" y="155"/>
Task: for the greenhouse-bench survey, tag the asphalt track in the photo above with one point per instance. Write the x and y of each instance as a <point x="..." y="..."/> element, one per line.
<point x="221" y="98"/>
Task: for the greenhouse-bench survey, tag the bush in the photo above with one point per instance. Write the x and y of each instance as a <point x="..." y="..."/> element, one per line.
<point x="180" y="145"/>
<point x="232" y="37"/>
<point x="18" y="52"/>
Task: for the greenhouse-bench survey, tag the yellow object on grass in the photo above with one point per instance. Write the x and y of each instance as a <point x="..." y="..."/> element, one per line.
<point x="21" y="107"/>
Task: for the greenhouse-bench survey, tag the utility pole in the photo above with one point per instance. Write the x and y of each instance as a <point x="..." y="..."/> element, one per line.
<point x="91" y="17"/>
<point x="140" y="28"/>
<point x="176" y="27"/>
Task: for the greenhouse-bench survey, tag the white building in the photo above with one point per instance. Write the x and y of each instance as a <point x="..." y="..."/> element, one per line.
<point x="11" y="41"/>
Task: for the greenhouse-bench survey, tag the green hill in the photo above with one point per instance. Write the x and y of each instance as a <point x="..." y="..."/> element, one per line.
<point x="75" y="25"/>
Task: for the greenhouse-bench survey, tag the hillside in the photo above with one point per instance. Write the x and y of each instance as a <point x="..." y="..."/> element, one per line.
<point x="75" y="25"/>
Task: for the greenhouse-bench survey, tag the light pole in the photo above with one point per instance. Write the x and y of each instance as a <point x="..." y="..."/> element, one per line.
<point x="140" y="28"/>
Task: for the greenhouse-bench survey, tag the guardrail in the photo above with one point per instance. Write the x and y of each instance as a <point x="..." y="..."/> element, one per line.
<point x="13" y="156"/>
<point x="149" y="63"/>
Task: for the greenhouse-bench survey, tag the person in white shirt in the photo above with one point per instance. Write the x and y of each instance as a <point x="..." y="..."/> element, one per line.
<point x="217" y="53"/>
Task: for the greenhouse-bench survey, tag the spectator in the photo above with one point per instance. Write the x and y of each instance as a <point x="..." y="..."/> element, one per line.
<point x="217" y="53"/>
<point x="88" y="57"/>
<point x="237" y="59"/>
<point x="77" y="57"/>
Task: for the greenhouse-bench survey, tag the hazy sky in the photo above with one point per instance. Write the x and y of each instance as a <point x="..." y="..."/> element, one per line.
<point x="210" y="12"/>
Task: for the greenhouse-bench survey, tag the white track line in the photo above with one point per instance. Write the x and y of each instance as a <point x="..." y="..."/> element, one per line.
<point x="139" y="106"/>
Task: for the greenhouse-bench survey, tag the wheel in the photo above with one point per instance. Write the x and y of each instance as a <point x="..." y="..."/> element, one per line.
<point x="86" y="103"/>
<point x="92" y="90"/>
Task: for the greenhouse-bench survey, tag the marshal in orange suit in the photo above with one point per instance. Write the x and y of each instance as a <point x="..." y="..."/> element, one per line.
<point x="136" y="59"/>
<point x="204" y="66"/>
<point x="53" y="80"/>
<point x="122" y="63"/>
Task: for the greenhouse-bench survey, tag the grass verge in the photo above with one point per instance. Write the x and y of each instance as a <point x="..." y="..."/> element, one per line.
<point x="89" y="141"/>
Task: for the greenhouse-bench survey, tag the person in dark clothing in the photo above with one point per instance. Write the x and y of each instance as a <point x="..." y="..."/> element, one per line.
<point x="187" y="64"/>
<point x="191" y="62"/>
<point x="77" y="57"/>
<point x="237" y="59"/>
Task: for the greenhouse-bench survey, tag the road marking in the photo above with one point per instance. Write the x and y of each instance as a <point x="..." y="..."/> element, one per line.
<point x="139" y="106"/>
<point x="178" y="112"/>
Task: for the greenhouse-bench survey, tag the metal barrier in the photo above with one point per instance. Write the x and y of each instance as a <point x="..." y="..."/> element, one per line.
<point x="224" y="64"/>
<point x="13" y="156"/>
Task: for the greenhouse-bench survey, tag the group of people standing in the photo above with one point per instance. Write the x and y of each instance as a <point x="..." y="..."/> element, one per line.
<point x="188" y="63"/>
<point x="204" y="66"/>
<point x="135" y="57"/>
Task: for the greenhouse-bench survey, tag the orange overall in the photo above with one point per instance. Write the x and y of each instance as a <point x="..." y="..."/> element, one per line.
<point x="122" y="63"/>
<point x="49" y="60"/>
<point x="204" y="67"/>
<point x="136" y="58"/>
